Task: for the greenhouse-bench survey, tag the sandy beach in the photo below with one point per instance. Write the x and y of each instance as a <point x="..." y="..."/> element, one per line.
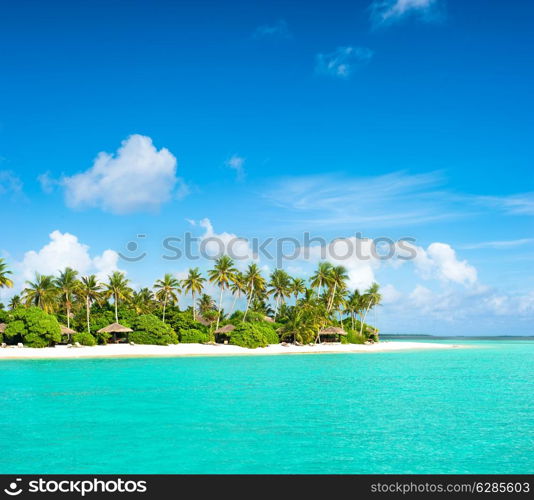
<point x="126" y="350"/>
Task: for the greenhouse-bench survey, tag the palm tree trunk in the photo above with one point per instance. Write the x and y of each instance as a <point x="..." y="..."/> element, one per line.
<point x="193" y="295"/>
<point x="164" y="307"/>
<point x="87" y="308"/>
<point x="220" y="306"/>
<point x="362" y="320"/>
<point x="116" y="310"/>
<point x="249" y="299"/>
<point x="68" y="314"/>
<point x="331" y="301"/>
<point x="233" y="303"/>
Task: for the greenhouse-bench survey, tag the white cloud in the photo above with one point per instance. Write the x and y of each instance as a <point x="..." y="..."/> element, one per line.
<point x="214" y="245"/>
<point x="396" y="199"/>
<point x="277" y="30"/>
<point x="9" y="183"/>
<point x="343" y="61"/>
<point x="439" y="261"/>
<point x="65" y="250"/>
<point x="516" y="204"/>
<point x="498" y="245"/>
<point x="390" y="294"/>
<point x="237" y="163"/>
<point x="47" y="182"/>
<point x="385" y="12"/>
<point x="355" y="254"/>
<point x="137" y="178"/>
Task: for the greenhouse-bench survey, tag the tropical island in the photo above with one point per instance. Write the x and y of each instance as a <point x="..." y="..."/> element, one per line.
<point x="73" y="311"/>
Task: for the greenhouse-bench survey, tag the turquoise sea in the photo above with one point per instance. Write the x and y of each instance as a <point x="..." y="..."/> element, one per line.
<point x="451" y="411"/>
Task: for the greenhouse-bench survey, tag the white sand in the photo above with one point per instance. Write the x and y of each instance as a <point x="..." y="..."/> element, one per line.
<point x="126" y="350"/>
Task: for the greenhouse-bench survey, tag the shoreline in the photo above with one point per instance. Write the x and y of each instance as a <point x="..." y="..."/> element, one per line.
<point x="190" y="350"/>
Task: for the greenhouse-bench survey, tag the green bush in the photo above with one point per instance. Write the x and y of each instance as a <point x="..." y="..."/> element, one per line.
<point x="253" y="335"/>
<point x="148" y="329"/>
<point x="353" y="337"/>
<point x="84" y="338"/>
<point x="182" y="322"/>
<point x="33" y="327"/>
<point x="194" y="336"/>
<point x="268" y="330"/>
<point x="102" y="316"/>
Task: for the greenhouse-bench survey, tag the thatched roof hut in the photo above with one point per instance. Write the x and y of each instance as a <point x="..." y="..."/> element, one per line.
<point x="225" y="329"/>
<point x="115" y="328"/>
<point x="66" y="331"/>
<point x="332" y="330"/>
<point x="203" y="321"/>
<point x="3" y="327"/>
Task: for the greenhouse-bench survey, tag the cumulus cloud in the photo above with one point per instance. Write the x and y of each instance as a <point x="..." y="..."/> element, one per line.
<point x="237" y="164"/>
<point x="438" y="261"/>
<point x="214" y="245"/>
<point x="137" y="178"/>
<point x="343" y="61"/>
<point x="65" y="250"/>
<point x="353" y="253"/>
<point x="278" y="30"/>
<point x="384" y="12"/>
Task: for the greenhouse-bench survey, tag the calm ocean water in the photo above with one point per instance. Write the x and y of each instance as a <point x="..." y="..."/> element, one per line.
<point x="451" y="411"/>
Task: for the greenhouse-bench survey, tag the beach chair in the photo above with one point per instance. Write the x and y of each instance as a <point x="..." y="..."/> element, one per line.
<point x="20" y="344"/>
<point x="77" y="344"/>
<point x="4" y="345"/>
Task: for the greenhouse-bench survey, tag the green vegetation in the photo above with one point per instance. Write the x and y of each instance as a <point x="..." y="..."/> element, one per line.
<point x="84" y="338"/>
<point x="253" y="335"/>
<point x="148" y="329"/>
<point x="33" y="327"/>
<point x="280" y="308"/>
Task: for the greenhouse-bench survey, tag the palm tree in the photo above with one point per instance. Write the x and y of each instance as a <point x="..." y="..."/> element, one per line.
<point x="89" y="290"/>
<point x="205" y="304"/>
<point x="41" y="293"/>
<point x="254" y="285"/>
<point x="118" y="288"/>
<point x="194" y="283"/>
<point x="167" y="290"/>
<point x="279" y="287"/>
<point x="323" y="276"/>
<point x="5" y="281"/>
<point x="338" y="278"/>
<point x="296" y="287"/>
<point x="143" y="302"/>
<point x="371" y="299"/>
<point x="237" y="287"/>
<point x="66" y="284"/>
<point x="15" y="302"/>
<point x="222" y="274"/>
<point x="353" y="306"/>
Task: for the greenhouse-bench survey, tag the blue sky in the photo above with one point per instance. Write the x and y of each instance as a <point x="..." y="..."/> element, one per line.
<point x="401" y="118"/>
